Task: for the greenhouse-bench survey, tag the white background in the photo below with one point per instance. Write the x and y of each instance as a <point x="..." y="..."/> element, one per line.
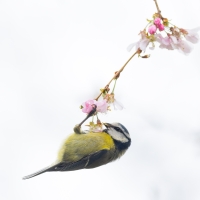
<point x="56" y="54"/>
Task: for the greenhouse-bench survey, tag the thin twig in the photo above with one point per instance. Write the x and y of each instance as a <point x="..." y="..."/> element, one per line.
<point x="118" y="73"/>
<point x="159" y="11"/>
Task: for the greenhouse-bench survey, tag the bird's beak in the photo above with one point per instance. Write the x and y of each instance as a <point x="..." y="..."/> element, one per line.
<point x="107" y="125"/>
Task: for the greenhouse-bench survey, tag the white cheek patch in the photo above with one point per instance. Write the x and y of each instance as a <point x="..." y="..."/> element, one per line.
<point x="122" y="128"/>
<point x="117" y="135"/>
<point x="127" y="135"/>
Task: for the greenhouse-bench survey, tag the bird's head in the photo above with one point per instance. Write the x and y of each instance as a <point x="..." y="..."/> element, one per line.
<point x="118" y="132"/>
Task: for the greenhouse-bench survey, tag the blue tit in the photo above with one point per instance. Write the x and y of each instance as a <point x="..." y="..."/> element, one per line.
<point x="83" y="150"/>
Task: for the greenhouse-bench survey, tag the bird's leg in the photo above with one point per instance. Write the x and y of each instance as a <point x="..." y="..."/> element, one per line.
<point x="77" y="128"/>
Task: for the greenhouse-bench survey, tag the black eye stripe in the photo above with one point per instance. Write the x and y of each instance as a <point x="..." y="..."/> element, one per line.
<point x="118" y="129"/>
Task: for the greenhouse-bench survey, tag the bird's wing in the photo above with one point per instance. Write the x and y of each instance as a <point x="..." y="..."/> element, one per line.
<point x="85" y="162"/>
<point x="90" y="161"/>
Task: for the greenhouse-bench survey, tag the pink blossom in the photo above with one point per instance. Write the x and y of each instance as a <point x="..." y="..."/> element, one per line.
<point x="152" y="29"/>
<point x="87" y="106"/>
<point x="157" y="21"/>
<point x="117" y="105"/>
<point x="101" y="106"/>
<point x="170" y="42"/>
<point x="184" y="47"/>
<point x="161" y="27"/>
<point x="192" y="35"/>
<point x="110" y="99"/>
<point x="141" y="44"/>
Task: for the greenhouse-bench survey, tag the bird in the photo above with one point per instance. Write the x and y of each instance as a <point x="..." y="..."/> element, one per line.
<point x="87" y="150"/>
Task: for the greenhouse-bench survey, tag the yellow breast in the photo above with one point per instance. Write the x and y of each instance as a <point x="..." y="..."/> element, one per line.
<point x="78" y="146"/>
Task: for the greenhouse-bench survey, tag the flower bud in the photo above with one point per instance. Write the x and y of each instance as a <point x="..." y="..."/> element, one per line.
<point x="157" y="21"/>
<point x="161" y="27"/>
<point x="165" y="22"/>
<point x="152" y="29"/>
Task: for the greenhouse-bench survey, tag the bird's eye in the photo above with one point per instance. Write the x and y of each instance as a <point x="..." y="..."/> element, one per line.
<point x="118" y="129"/>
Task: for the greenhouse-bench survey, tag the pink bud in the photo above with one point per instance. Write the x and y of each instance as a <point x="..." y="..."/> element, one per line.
<point x="157" y="21"/>
<point x="152" y="29"/>
<point x="161" y="27"/>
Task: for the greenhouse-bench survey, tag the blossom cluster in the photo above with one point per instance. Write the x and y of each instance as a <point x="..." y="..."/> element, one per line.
<point x="158" y="30"/>
<point x="168" y="36"/>
<point x="102" y="106"/>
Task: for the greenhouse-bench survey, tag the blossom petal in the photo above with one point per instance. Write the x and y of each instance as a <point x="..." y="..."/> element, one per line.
<point x="174" y="39"/>
<point x="117" y="105"/>
<point x="158" y="37"/>
<point x="192" y="35"/>
<point x="193" y="39"/>
<point x="152" y="47"/>
<point x="143" y="44"/>
<point x="184" y="47"/>
<point x="102" y="106"/>
<point x="87" y="106"/>
<point x="169" y="47"/>
<point x="130" y="46"/>
<point x="166" y="41"/>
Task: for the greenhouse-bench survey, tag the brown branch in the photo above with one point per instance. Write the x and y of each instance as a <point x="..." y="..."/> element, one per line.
<point x="118" y="73"/>
<point x="159" y="11"/>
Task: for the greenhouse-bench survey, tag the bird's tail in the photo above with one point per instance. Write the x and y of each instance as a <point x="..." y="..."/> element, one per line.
<point x="47" y="169"/>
